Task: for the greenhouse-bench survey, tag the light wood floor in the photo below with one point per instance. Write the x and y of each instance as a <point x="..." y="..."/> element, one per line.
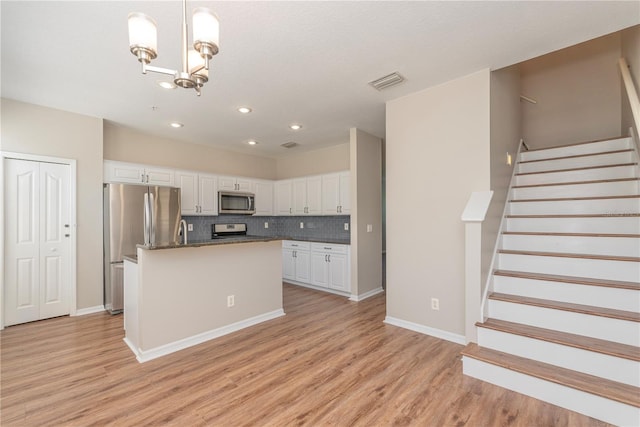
<point x="327" y="362"/>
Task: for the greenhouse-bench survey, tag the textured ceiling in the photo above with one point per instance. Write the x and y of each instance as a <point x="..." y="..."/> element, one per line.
<point x="304" y="62"/>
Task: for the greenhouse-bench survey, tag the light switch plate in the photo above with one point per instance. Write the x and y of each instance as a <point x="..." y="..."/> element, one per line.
<point x="369" y="228"/>
<point x="189" y="227"/>
<point x="302" y="225"/>
<point x="346" y="226"/>
<point x="266" y="224"/>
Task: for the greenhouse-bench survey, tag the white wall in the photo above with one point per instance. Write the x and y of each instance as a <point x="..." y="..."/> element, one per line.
<point x="437" y="154"/>
<point x="31" y="129"/>
<point x="366" y="208"/>
<point x="324" y="160"/>
<point x="630" y="50"/>
<point x="578" y="94"/>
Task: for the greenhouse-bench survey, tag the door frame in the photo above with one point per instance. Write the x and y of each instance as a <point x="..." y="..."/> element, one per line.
<point x="72" y="286"/>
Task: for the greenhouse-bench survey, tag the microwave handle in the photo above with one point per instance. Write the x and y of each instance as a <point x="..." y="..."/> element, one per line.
<point x="250" y="199"/>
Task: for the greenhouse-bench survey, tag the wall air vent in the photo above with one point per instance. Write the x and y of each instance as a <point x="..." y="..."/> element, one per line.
<point x="387" y="81"/>
<point x="289" y="144"/>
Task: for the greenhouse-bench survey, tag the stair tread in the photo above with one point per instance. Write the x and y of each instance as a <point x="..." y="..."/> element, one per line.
<point x="570" y="279"/>
<point x="568" y="306"/>
<point x="545" y="233"/>
<point x="570" y="255"/>
<point x="595" y="181"/>
<point x="573" y="156"/>
<point x="613" y="390"/>
<point x="608" y="215"/>
<point x="615" y="138"/>
<point x="578" y="169"/>
<point x="561" y="199"/>
<point x="572" y="340"/>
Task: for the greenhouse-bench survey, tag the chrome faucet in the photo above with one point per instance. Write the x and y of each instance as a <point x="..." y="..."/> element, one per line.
<point x="183" y="230"/>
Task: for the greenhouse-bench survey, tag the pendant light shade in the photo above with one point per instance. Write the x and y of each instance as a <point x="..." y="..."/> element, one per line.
<point x="206" y="32"/>
<point x="143" y="37"/>
<point x="196" y="67"/>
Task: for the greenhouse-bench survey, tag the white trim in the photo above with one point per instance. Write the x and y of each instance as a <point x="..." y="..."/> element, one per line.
<point x="316" y="288"/>
<point x="89" y="310"/>
<point x="146" y="355"/>
<point x="72" y="163"/>
<point x="366" y="295"/>
<point x="426" y="330"/>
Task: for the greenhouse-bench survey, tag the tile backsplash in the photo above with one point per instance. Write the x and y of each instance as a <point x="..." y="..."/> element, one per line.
<point x="329" y="227"/>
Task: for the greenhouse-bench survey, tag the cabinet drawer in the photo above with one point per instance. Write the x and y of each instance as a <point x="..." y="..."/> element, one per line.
<point x="329" y="247"/>
<point x="294" y="244"/>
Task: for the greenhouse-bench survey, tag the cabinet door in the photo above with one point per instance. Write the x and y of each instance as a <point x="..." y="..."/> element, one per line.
<point x="264" y="198"/>
<point x="283" y="198"/>
<point x="159" y="176"/>
<point x="303" y="266"/>
<point x="345" y="193"/>
<point x="319" y="269"/>
<point x="338" y="272"/>
<point x="299" y="196"/>
<point x="188" y="184"/>
<point x="330" y="194"/>
<point x="244" y="185"/>
<point x="208" y="194"/>
<point x="123" y="172"/>
<point x="314" y="195"/>
<point x="288" y="264"/>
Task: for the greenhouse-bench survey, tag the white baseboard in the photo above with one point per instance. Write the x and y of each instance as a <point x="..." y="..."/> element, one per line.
<point x="438" y="333"/>
<point x="146" y="355"/>
<point x="89" y="310"/>
<point x="366" y="295"/>
<point x="317" y="288"/>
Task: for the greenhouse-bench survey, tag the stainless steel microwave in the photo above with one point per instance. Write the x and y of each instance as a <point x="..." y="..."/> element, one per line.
<point x="236" y="203"/>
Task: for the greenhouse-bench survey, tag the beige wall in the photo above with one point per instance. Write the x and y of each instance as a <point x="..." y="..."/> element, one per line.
<point x="128" y="145"/>
<point x="325" y="160"/>
<point x="578" y="94"/>
<point x="32" y="129"/>
<point x="630" y="50"/>
<point x="506" y="131"/>
<point x="437" y="154"/>
<point x="366" y="208"/>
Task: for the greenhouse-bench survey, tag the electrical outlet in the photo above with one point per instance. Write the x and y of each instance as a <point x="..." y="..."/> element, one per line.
<point x="302" y="225"/>
<point x="369" y="228"/>
<point x="266" y="224"/>
<point x="346" y="226"/>
<point x="189" y="227"/>
<point x="231" y="300"/>
<point x="508" y="158"/>
<point x="435" y="304"/>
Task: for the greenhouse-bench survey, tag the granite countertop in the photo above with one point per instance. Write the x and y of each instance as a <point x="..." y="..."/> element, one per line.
<point x="320" y="240"/>
<point x="239" y="239"/>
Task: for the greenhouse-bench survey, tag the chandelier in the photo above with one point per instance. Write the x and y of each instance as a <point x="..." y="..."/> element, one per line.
<point x="143" y="43"/>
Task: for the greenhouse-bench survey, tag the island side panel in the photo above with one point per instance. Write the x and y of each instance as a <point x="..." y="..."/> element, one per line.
<point x="183" y="291"/>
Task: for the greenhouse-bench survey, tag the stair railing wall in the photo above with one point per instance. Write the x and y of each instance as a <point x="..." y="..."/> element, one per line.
<point x="634" y="102"/>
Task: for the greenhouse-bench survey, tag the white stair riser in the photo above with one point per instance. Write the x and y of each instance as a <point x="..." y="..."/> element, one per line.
<point x="605" y="328"/>
<point x="589" y="362"/>
<point x="576" y="162"/>
<point x="622" y="246"/>
<point x="588" y="404"/>
<point x="578" y="175"/>
<point x="621" y="188"/>
<point x="599" y="296"/>
<point x="628" y="271"/>
<point x="596" y="206"/>
<point x="574" y="150"/>
<point x="625" y="225"/>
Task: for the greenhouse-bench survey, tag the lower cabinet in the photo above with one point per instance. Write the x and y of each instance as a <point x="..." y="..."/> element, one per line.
<point x="323" y="266"/>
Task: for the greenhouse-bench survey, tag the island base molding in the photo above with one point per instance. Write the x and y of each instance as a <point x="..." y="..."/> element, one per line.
<point x="153" y="353"/>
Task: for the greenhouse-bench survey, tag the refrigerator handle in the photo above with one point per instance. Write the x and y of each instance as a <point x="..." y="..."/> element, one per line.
<point x="152" y="210"/>
<point x="147" y="220"/>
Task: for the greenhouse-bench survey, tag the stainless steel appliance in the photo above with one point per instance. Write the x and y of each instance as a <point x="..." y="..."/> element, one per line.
<point x="236" y="203"/>
<point x="223" y="231"/>
<point x="133" y="215"/>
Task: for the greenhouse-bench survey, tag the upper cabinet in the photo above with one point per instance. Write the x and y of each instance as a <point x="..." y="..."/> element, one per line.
<point x="264" y="198"/>
<point x="335" y="194"/>
<point x="137" y="174"/>
<point x="198" y="193"/>
<point x="283" y="198"/>
<point x="307" y="196"/>
<point x="231" y="183"/>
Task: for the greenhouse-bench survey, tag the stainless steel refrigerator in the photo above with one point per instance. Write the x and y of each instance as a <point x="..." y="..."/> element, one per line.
<point x="135" y="215"/>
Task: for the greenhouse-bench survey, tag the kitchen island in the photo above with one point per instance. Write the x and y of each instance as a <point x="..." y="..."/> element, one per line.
<point x="177" y="296"/>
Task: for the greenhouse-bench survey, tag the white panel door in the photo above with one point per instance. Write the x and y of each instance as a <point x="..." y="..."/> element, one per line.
<point x="208" y="194"/>
<point x="338" y="272"/>
<point x="283" y="198"/>
<point x="345" y="193"/>
<point x="303" y="266"/>
<point x="288" y="264"/>
<point x="330" y="194"/>
<point x="188" y="183"/>
<point x="314" y="195"/>
<point x="319" y="269"/>
<point x="37" y="243"/>
<point x="299" y="196"/>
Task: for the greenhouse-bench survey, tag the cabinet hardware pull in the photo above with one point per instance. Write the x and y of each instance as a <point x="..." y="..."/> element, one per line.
<point x="66" y="235"/>
<point x="329" y="258"/>
<point x="328" y="248"/>
<point x="325" y="258"/>
<point x="66" y="225"/>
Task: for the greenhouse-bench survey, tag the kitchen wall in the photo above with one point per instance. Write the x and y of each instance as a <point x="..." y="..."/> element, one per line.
<point x="31" y="129"/>
<point x="324" y="160"/>
<point x="578" y="94"/>
<point x="630" y="50"/>
<point x="437" y="154"/>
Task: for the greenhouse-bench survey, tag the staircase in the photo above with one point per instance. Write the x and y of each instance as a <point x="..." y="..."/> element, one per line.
<point x="563" y="308"/>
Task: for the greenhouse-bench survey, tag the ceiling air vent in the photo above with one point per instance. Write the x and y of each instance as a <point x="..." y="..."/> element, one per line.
<point x="289" y="144"/>
<point x="387" y="81"/>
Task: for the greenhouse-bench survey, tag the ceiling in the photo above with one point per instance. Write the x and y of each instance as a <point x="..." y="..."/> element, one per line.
<point x="300" y="62"/>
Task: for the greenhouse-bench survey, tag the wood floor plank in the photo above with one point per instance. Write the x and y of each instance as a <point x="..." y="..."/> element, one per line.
<point x="329" y="361"/>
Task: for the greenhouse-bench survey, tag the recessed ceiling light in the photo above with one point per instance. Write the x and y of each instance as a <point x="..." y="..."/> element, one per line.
<point x="252" y="142"/>
<point x="176" y="125"/>
<point x="166" y="85"/>
<point x="295" y="126"/>
<point x="244" y="110"/>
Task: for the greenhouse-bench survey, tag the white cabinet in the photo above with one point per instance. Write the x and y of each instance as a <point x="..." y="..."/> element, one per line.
<point x="296" y="261"/>
<point x="335" y="194"/>
<point x="307" y="196"/>
<point x="198" y="194"/>
<point x="283" y="198"/>
<point x="230" y="183"/>
<point x="264" y="198"/>
<point x="137" y="174"/>
<point x="330" y="266"/>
